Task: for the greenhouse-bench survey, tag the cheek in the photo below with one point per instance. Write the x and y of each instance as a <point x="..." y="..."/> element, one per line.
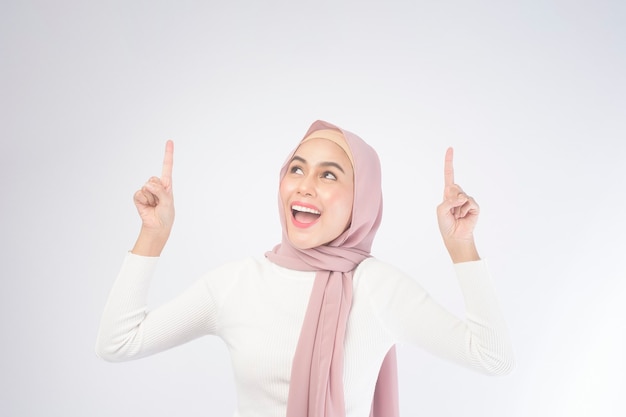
<point x="284" y="190"/>
<point x="342" y="204"/>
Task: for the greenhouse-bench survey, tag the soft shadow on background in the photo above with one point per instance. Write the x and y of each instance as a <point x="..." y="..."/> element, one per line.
<point x="530" y="93"/>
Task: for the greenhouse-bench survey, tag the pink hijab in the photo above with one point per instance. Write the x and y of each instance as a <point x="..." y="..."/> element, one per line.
<point x="316" y="387"/>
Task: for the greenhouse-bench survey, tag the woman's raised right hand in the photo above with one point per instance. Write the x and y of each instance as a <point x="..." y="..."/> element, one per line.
<point x="155" y="204"/>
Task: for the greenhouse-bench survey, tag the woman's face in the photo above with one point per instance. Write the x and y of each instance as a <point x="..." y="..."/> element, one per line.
<point x="317" y="193"/>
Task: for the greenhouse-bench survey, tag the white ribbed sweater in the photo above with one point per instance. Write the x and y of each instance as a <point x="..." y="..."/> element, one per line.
<point x="257" y="308"/>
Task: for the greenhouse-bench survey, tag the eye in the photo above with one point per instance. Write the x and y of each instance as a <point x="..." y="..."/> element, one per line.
<point x="296" y="170"/>
<point x="329" y="176"/>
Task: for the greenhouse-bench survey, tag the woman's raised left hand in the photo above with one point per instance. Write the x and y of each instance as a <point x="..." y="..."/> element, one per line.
<point x="457" y="216"/>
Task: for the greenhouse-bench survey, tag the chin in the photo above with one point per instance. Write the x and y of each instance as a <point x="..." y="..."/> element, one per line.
<point x="302" y="245"/>
<point x="303" y="240"/>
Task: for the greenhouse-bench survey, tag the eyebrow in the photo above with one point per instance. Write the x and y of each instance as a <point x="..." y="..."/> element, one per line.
<point x="324" y="164"/>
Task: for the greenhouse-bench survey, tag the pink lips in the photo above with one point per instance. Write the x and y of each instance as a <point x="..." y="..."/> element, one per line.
<point x="300" y="224"/>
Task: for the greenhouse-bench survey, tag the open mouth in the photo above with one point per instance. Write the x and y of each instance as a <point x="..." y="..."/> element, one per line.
<point x="304" y="215"/>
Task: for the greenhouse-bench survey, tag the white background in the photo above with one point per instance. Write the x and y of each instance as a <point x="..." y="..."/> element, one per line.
<point x="531" y="94"/>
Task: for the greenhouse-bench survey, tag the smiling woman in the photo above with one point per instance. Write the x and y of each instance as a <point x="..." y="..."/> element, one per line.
<point x="317" y="192"/>
<point x="312" y="327"/>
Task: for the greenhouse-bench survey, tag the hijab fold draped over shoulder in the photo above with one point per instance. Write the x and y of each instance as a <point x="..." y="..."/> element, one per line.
<point x="316" y="385"/>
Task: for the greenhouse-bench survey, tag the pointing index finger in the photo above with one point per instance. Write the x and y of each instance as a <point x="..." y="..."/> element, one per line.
<point x="168" y="163"/>
<point x="448" y="169"/>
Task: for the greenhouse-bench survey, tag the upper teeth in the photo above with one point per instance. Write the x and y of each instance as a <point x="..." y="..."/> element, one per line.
<point x="305" y="209"/>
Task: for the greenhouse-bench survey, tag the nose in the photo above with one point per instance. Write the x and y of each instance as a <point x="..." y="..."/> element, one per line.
<point x="306" y="186"/>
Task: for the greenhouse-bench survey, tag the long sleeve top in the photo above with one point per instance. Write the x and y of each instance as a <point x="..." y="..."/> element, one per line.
<point x="257" y="308"/>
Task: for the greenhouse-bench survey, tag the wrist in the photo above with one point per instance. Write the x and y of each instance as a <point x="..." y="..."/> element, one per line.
<point x="462" y="251"/>
<point x="150" y="243"/>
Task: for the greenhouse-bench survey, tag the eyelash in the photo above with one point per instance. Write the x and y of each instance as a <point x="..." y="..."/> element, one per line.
<point x="294" y="169"/>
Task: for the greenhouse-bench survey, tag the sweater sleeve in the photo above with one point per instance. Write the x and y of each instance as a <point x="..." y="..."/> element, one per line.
<point x="480" y="340"/>
<point x="129" y="331"/>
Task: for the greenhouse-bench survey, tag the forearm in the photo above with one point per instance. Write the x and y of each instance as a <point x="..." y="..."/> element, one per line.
<point x="489" y="346"/>
<point x="479" y="341"/>
<point x="125" y="310"/>
<point x="128" y="330"/>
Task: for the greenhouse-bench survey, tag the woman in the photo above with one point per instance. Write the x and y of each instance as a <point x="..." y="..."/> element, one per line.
<point x="311" y="327"/>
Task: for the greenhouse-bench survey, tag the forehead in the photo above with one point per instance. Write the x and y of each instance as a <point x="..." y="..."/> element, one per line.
<point x="323" y="150"/>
